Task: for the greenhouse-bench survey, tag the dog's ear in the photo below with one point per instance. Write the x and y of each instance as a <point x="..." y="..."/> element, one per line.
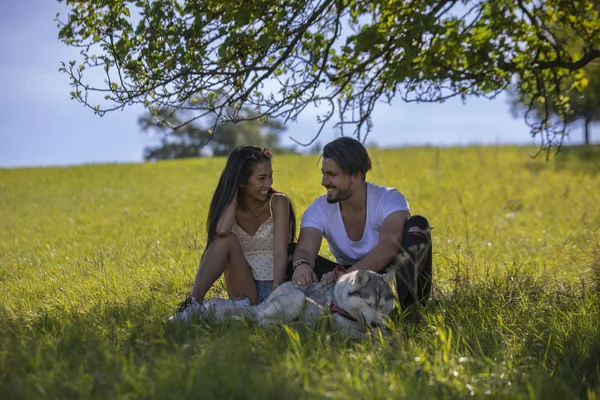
<point x="390" y="278"/>
<point x="361" y="278"/>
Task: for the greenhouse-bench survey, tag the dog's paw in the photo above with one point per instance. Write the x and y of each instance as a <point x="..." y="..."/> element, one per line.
<point x="380" y="332"/>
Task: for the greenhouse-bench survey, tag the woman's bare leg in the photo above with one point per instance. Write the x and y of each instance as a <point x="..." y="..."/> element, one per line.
<point x="238" y="275"/>
<point x="225" y="255"/>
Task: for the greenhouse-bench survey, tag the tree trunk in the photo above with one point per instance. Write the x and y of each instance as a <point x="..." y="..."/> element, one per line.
<point x="587" y="130"/>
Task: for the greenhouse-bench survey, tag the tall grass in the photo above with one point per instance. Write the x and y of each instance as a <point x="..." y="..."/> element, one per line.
<point x="93" y="259"/>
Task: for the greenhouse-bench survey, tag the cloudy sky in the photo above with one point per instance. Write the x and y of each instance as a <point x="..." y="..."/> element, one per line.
<point x="40" y="125"/>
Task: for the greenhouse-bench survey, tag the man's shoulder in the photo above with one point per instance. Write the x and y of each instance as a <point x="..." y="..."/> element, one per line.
<point x="321" y="202"/>
<point x="317" y="214"/>
<point x="316" y="207"/>
<point x="380" y="191"/>
<point x="387" y="199"/>
<point x="321" y="208"/>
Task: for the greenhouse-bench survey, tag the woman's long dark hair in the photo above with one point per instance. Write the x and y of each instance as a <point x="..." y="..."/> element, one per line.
<point x="240" y="166"/>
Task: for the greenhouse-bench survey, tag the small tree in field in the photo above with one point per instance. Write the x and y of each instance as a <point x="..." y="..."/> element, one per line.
<point x="191" y="139"/>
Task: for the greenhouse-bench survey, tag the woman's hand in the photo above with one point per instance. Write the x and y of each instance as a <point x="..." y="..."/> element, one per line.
<point x="327" y="278"/>
<point x="334" y="275"/>
<point x="304" y="275"/>
<point x="235" y="196"/>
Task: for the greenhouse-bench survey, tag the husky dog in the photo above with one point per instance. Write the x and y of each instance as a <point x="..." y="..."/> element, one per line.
<point x="358" y="300"/>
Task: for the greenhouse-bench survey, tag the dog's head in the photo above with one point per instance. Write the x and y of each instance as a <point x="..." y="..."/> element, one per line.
<point x="368" y="296"/>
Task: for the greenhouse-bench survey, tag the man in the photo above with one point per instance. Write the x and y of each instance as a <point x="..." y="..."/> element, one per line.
<point x="366" y="226"/>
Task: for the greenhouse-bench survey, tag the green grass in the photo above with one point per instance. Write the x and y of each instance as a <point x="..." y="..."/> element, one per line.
<point x="93" y="259"/>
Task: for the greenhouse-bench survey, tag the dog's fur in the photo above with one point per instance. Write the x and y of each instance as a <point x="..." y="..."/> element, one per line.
<point x="366" y="295"/>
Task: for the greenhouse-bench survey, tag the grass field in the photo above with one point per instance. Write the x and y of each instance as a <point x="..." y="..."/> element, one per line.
<point x="93" y="259"/>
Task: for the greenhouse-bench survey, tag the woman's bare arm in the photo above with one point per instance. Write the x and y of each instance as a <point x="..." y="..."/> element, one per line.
<point x="225" y="222"/>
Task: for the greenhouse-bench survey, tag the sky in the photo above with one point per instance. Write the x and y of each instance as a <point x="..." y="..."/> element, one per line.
<point x="41" y="126"/>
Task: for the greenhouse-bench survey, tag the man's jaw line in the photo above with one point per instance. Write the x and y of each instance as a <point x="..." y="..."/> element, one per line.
<point x="331" y="198"/>
<point x="353" y="201"/>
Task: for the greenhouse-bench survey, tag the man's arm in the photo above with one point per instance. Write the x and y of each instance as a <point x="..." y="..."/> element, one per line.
<point x="390" y="242"/>
<point x="307" y="249"/>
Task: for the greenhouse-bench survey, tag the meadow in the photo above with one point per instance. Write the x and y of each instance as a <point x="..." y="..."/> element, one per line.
<point x="95" y="258"/>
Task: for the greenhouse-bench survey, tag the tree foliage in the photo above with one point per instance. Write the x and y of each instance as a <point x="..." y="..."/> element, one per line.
<point x="338" y="56"/>
<point x="582" y="89"/>
<point x="191" y="139"/>
<point x="581" y="105"/>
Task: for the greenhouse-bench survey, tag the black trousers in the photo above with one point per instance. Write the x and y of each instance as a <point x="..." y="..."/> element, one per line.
<point x="412" y="266"/>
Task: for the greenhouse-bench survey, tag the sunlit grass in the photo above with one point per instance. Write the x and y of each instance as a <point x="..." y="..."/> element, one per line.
<point x="93" y="259"/>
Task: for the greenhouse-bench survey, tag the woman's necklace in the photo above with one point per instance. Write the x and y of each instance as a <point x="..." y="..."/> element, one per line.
<point x="259" y="209"/>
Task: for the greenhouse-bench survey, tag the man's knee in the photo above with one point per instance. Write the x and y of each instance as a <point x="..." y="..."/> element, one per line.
<point x="417" y="235"/>
<point x="417" y="223"/>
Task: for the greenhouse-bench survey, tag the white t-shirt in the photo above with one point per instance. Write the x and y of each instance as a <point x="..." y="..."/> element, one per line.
<point x="381" y="202"/>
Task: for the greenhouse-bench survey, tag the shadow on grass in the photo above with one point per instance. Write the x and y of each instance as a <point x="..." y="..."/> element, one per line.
<point x="566" y="344"/>
<point x="579" y="159"/>
<point x="574" y="159"/>
<point x="540" y="335"/>
<point x="518" y="335"/>
<point x="120" y="351"/>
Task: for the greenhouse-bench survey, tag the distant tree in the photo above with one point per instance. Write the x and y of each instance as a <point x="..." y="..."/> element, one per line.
<point x="371" y="144"/>
<point x="187" y="141"/>
<point x="179" y="140"/>
<point x="316" y="148"/>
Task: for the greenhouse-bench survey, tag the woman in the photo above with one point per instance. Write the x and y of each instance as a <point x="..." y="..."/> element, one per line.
<point x="249" y="228"/>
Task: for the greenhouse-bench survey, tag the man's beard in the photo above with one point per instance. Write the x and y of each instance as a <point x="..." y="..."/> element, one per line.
<point x="341" y="195"/>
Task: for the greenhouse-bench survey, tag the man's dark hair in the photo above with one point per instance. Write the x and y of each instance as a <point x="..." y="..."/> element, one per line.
<point x="349" y="154"/>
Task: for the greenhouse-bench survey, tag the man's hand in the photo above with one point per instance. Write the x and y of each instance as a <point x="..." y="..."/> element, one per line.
<point x="327" y="278"/>
<point x="304" y="275"/>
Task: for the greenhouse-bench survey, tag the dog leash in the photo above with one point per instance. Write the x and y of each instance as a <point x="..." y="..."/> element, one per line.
<point x="338" y="271"/>
<point x="340" y="311"/>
